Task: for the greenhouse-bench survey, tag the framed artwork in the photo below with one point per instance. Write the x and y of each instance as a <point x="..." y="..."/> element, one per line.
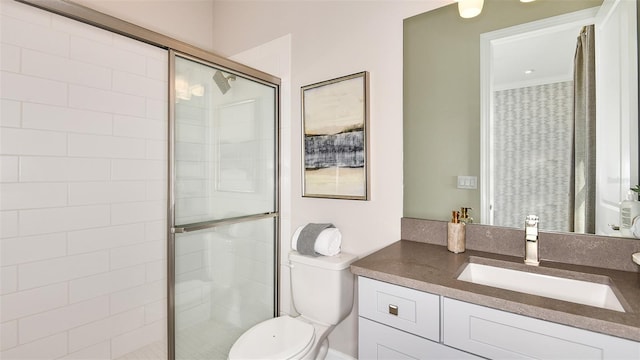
<point x="335" y="118"/>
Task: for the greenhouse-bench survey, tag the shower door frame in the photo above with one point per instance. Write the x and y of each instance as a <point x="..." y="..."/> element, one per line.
<point x="176" y="47"/>
<point x="171" y="224"/>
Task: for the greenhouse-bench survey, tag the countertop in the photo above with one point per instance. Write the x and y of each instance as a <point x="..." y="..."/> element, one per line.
<point x="432" y="268"/>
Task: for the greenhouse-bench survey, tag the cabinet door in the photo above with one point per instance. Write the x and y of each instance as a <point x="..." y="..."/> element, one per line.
<point x="377" y="341"/>
<point x="502" y="335"/>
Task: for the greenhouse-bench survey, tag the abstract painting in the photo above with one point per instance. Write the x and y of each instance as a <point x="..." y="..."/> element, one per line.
<point x="334" y="121"/>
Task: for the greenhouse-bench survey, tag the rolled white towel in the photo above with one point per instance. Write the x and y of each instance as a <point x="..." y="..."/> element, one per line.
<point x="328" y="242"/>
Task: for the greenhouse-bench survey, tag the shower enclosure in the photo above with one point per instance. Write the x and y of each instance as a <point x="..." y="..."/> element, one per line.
<point x="223" y="206"/>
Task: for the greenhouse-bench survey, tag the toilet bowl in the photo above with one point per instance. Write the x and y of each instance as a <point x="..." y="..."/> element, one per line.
<point x="322" y="292"/>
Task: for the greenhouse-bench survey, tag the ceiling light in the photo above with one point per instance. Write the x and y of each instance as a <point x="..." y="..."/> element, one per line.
<point x="526" y="1"/>
<point x="529" y="71"/>
<point x="470" y="8"/>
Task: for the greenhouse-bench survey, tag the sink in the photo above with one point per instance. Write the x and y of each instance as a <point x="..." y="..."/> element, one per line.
<point x="561" y="288"/>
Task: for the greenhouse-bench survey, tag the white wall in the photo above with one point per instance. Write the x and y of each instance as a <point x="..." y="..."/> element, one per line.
<point x="328" y="39"/>
<point x="83" y="189"/>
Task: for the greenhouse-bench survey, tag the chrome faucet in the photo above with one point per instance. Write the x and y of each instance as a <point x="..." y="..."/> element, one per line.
<point x="531" y="246"/>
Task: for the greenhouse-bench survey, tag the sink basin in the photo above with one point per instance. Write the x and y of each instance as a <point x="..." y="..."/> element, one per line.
<point x="561" y="288"/>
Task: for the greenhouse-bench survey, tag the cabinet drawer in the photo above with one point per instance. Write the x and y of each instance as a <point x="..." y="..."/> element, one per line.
<point x="498" y="335"/>
<point x="406" y="309"/>
<point x="377" y="341"/>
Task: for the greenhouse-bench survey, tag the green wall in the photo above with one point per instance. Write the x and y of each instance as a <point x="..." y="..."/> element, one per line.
<point x="442" y="99"/>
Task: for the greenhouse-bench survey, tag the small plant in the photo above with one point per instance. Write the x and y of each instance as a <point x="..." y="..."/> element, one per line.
<point x="636" y="189"/>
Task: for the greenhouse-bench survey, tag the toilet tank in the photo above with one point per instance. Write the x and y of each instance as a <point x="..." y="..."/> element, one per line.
<point x="322" y="287"/>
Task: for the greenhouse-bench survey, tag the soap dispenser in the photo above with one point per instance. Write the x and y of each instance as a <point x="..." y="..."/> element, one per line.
<point x="465" y="215"/>
<point x="456" y="234"/>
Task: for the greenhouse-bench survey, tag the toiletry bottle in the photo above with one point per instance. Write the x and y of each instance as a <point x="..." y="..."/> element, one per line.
<point x="629" y="210"/>
<point x="455" y="234"/>
<point x="465" y="215"/>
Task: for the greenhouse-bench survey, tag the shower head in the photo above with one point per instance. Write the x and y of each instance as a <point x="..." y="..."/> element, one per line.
<point x="223" y="81"/>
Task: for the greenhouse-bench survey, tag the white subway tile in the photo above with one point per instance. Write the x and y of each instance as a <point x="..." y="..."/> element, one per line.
<point x="106" y="192"/>
<point x="50" y="347"/>
<point x="8" y="168"/>
<point x="156" y="230"/>
<point x="30" y="302"/>
<point x="76" y="28"/>
<point x="87" y="98"/>
<point x="9" y="58"/>
<point x="148" y="51"/>
<point x="45" y="272"/>
<point x="99" y="331"/>
<point x="63" y="69"/>
<point x="8" y="335"/>
<point x="137" y="254"/>
<point x="106" y="283"/>
<point x="36" y="169"/>
<point x="157" y="110"/>
<point x="55" y="321"/>
<point x="127" y="213"/>
<point x="32" y="142"/>
<point x="106" y="55"/>
<point x="42" y="221"/>
<point x="105" y="238"/>
<point x="138" y="169"/>
<point x="137" y="297"/>
<point x="32" y="35"/>
<point x="157" y="69"/>
<point x="155" y="311"/>
<point x="17" y="196"/>
<point x="100" y="351"/>
<point x="129" y="126"/>
<point x="25" y="13"/>
<point x="47" y="117"/>
<point x="8" y="224"/>
<point x="8" y="279"/>
<point x="106" y="146"/>
<point x="157" y="150"/>
<point x="32" y="248"/>
<point x="139" y="85"/>
<point x="10" y="112"/>
<point x="156" y="270"/>
<point x="156" y="190"/>
<point x="31" y="89"/>
<point x="138" y="338"/>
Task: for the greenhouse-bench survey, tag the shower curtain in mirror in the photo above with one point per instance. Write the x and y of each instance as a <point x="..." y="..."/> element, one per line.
<point x="584" y="134"/>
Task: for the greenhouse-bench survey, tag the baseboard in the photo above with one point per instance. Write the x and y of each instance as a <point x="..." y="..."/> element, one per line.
<point x="337" y="355"/>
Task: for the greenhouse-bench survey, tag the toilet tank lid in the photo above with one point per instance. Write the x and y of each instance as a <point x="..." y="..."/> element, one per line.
<point x="336" y="262"/>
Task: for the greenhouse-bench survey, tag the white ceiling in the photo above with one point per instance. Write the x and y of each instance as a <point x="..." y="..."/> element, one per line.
<point x="549" y="54"/>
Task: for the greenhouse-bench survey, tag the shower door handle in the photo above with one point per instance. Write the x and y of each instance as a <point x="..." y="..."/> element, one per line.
<point x="213" y="223"/>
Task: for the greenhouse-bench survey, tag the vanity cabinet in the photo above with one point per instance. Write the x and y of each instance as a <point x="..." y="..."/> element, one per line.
<point x="497" y="334"/>
<point x="401" y="323"/>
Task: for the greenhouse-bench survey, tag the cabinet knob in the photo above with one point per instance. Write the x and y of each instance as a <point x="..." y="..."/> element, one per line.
<point x="393" y="309"/>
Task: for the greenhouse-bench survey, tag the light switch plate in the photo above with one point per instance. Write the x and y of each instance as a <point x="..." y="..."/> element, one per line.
<point x="467" y="182"/>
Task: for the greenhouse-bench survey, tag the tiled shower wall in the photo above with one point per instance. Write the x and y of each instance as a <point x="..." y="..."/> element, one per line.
<point x="83" y="189"/>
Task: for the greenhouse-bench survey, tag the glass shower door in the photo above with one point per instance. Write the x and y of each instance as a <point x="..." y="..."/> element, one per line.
<point x="224" y="196"/>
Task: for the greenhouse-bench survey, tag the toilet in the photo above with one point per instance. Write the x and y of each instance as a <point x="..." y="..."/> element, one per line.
<point x="322" y="291"/>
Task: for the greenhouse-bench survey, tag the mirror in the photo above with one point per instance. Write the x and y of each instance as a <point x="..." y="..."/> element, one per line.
<point x="442" y="107"/>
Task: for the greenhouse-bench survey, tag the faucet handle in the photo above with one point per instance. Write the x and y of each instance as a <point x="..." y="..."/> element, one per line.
<point x="531" y="227"/>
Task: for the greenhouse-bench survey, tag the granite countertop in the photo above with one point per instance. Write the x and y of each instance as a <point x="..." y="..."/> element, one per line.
<point x="432" y="268"/>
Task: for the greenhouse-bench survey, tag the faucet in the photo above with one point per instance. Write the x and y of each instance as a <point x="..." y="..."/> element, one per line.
<point x="531" y="245"/>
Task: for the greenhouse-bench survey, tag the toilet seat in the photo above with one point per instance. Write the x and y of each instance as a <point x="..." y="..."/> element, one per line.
<point x="278" y="338"/>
